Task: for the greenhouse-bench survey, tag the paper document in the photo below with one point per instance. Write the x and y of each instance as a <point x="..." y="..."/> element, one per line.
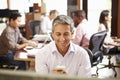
<point x="32" y="52"/>
<point x="41" y="37"/>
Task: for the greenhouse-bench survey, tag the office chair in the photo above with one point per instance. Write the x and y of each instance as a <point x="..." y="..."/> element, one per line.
<point x="90" y="55"/>
<point x="34" y="27"/>
<point x="110" y="64"/>
<point x="95" y="48"/>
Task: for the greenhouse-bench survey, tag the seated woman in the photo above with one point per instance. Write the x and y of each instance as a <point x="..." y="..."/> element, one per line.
<point x="110" y="46"/>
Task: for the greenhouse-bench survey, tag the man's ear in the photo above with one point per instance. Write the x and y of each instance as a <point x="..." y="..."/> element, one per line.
<point x="52" y="35"/>
<point x="72" y="33"/>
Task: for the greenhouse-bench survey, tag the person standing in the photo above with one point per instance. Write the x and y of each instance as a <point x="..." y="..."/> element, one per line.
<point x="12" y="40"/>
<point x="62" y="56"/>
<point x="46" y="22"/>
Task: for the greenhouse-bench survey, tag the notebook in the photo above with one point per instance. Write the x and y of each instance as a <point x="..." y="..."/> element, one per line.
<point x="31" y="51"/>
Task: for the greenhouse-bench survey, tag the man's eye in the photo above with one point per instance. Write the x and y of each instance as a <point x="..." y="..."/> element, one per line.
<point x="58" y="34"/>
<point x="66" y="34"/>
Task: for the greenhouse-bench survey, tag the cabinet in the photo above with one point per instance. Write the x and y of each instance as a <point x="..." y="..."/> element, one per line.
<point x="28" y="17"/>
<point x="34" y="15"/>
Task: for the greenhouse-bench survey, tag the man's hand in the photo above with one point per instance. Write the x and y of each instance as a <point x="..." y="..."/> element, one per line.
<point x="33" y="43"/>
<point x="59" y="70"/>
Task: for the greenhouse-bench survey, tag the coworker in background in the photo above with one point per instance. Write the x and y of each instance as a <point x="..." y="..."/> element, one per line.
<point x="61" y="55"/>
<point x="103" y="25"/>
<point x="105" y="17"/>
<point x="46" y="22"/>
<point x="82" y="35"/>
<point x="11" y="40"/>
<point x="109" y="45"/>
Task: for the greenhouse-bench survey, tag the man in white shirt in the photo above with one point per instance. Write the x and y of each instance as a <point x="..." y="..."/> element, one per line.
<point x="46" y="22"/>
<point x="61" y="55"/>
<point x="82" y="33"/>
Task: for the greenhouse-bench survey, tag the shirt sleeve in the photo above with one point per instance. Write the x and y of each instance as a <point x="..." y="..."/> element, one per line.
<point x="21" y="38"/>
<point x="40" y="62"/>
<point x="12" y="42"/>
<point x="78" y="36"/>
<point x="101" y="28"/>
<point x="85" y="67"/>
<point x="15" y="39"/>
<point x="43" y="25"/>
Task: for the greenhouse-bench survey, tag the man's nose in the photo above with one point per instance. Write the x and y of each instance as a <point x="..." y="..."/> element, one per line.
<point x="62" y="38"/>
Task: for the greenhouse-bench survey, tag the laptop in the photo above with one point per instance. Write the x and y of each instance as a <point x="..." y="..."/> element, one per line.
<point x="50" y="35"/>
<point x="32" y="51"/>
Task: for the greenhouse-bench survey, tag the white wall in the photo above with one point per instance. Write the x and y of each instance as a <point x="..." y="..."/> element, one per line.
<point x="2" y="27"/>
<point x="59" y="5"/>
<point x="3" y="4"/>
<point x="23" y="5"/>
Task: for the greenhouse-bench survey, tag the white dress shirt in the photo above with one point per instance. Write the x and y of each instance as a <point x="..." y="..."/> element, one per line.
<point x="82" y="35"/>
<point x="108" y="38"/>
<point x="46" y="25"/>
<point x="76" y="60"/>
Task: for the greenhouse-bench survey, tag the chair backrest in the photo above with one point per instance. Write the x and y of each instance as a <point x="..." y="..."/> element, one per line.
<point x="90" y="55"/>
<point x="34" y="26"/>
<point x="95" y="45"/>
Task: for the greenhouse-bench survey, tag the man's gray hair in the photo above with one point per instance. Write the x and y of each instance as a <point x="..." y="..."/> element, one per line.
<point x="63" y="19"/>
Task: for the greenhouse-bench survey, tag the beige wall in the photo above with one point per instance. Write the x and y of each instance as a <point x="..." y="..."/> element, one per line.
<point x="118" y="32"/>
<point x="2" y="27"/>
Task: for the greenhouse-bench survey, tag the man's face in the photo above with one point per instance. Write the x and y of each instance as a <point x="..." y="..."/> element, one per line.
<point x="54" y="15"/>
<point x="62" y="36"/>
<point x="15" y="23"/>
<point x="75" y="19"/>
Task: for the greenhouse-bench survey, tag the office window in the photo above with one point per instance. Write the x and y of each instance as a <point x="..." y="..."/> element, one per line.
<point x="23" y="5"/>
<point x="94" y="9"/>
<point x="20" y="5"/>
<point x="3" y="4"/>
<point x="60" y="5"/>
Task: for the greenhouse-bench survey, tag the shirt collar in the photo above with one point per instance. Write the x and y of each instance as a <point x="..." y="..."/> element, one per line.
<point x="70" y="50"/>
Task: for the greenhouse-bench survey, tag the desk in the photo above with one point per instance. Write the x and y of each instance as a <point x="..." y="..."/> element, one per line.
<point x="21" y="55"/>
<point x="117" y="40"/>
